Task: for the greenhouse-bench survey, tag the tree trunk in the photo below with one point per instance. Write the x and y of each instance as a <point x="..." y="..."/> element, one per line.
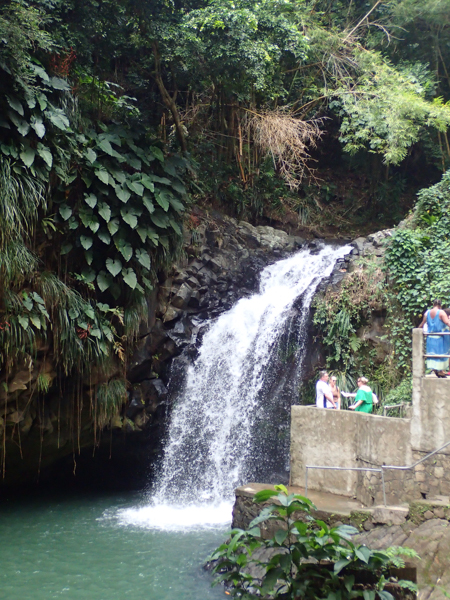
<point x="167" y="99"/>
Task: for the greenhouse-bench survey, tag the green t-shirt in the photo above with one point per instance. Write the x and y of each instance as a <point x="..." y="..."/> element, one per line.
<point x="365" y="394"/>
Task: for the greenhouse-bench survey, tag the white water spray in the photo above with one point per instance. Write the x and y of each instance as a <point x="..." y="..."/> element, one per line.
<point x="223" y="413"/>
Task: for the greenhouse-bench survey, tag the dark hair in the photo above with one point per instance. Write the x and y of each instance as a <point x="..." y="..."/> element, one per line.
<point x="437" y="302"/>
<point x="447" y="311"/>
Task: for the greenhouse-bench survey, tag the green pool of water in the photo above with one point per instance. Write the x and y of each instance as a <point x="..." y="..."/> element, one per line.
<point x="103" y="548"/>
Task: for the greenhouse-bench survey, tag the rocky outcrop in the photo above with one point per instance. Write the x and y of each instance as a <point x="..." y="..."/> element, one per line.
<point x="220" y="262"/>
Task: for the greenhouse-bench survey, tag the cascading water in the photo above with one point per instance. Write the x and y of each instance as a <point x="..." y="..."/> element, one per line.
<point x="229" y="425"/>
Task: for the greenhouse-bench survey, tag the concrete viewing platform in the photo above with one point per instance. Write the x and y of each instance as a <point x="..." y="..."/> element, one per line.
<point x="324" y="501"/>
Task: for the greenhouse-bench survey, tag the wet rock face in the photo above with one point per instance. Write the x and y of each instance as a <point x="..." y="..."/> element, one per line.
<point x="223" y="261"/>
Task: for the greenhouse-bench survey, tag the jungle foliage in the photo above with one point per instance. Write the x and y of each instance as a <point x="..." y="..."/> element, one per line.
<point x="110" y="110"/>
<point x="210" y="76"/>
<point x="304" y="558"/>
<point x="90" y="208"/>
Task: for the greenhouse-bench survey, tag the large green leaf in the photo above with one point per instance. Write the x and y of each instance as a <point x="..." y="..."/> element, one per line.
<point x="58" y="118"/>
<point x="38" y="125"/>
<point x="160" y="220"/>
<point x="161" y="179"/>
<point x="119" y="176"/>
<point x="89" y="256"/>
<point x="175" y="226"/>
<point x="147" y="182"/>
<point x="129" y="277"/>
<point x="113" y="266"/>
<point x="45" y="154"/>
<point x="65" y="211"/>
<point x="176" y="204"/>
<point x="104" y="211"/>
<point x="152" y="235"/>
<point x="157" y="152"/>
<point x="23" y="320"/>
<point x="123" y="194"/>
<point x="142" y="232"/>
<point x="162" y="198"/>
<point x="43" y="102"/>
<point x="179" y="187"/>
<point x="66" y="247"/>
<point x="39" y="70"/>
<point x="125" y="249"/>
<point x="148" y="203"/>
<point x="136" y="187"/>
<point x="105" y="146"/>
<point x="129" y="217"/>
<point x="27" y="155"/>
<point x="104" y="280"/>
<point x="104" y="236"/>
<point x="15" y="104"/>
<point x="90" y="199"/>
<point x="91" y="155"/>
<point x="89" y="276"/>
<point x="86" y="241"/>
<point x="113" y="226"/>
<point x="59" y="84"/>
<point x="144" y="258"/>
<point x="94" y="224"/>
<point x="22" y="126"/>
<point x="103" y="175"/>
<point x="73" y="223"/>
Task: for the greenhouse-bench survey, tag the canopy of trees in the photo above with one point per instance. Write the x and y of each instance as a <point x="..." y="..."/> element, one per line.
<point x="109" y="108"/>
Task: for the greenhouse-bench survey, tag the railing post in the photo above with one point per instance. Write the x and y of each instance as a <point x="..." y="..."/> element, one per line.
<point x="418" y="367"/>
<point x="384" y="487"/>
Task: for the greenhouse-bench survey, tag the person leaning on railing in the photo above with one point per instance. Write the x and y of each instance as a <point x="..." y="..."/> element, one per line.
<point x="437" y="321"/>
<point x="363" y="398"/>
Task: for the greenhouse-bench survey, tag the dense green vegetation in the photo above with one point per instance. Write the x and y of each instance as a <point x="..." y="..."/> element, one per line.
<point x="414" y="271"/>
<point x="111" y="110"/>
<point x="304" y="558"/>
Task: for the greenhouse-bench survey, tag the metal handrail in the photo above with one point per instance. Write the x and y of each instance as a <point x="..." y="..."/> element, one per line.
<point x="381" y="469"/>
<point x="387" y="407"/>
<point x="436" y="333"/>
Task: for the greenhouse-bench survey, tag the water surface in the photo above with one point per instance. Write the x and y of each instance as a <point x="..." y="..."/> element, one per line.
<point x="105" y="548"/>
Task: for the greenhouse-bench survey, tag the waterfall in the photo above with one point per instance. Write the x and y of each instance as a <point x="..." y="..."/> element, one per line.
<point x="228" y="426"/>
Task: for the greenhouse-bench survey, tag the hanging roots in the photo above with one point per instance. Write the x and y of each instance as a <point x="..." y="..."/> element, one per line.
<point x="288" y="140"/>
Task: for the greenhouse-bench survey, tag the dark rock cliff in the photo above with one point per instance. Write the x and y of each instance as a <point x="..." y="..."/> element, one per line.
<point x="50" y="438"/>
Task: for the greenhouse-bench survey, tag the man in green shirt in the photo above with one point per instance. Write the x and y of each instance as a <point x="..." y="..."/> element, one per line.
<point x="363" y="398"/>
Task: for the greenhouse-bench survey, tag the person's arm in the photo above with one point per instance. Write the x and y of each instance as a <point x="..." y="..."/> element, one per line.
<point x="353" y="406"/>
<point x="443" y="316"/>
<point x="424" y="320"/>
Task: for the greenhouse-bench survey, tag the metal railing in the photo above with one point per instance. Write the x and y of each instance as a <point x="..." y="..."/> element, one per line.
<point x="425" y="333"/>
<point x="381" y="469"/>
<point x="387" y="407"/>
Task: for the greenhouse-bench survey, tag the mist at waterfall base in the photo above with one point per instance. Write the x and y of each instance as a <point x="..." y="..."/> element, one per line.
<point x="229" y="425"/>
<point x="230" y="422"/>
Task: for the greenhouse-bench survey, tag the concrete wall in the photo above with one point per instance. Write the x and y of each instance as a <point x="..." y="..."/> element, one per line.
<point x="326" y="438"/>
<point x="345" y="439"/>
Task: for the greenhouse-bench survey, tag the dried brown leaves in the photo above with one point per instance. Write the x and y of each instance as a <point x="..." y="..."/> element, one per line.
<point x="288" y="140"/>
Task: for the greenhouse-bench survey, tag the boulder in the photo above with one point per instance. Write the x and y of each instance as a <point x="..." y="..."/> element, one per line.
<point x="182" y="296"/>
<point x="171" y="314"/>
<point x="390" y="515"/>
<point x="359" y="244"/>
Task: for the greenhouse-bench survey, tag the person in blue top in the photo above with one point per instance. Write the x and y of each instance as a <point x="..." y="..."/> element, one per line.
<point x="437" y="322"/>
